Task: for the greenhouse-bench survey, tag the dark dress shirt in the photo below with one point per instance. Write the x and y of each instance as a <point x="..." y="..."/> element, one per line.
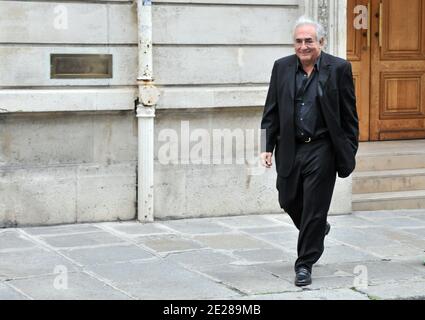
<point x="308" y="117"/>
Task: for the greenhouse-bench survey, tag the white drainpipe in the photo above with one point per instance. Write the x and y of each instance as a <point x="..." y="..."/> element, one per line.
<point x="148" y="97"/>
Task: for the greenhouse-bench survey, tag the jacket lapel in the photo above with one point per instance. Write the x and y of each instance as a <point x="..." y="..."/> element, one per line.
<point x="324" y="73"/>
<point x="288" y="87"/>
<point x="290" y="80"/>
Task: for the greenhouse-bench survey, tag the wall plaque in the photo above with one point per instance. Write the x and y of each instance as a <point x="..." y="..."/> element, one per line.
<point x="80" y="66"/>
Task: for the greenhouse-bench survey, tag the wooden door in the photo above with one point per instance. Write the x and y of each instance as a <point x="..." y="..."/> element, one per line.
<point x="397" y="100"/>
<point x="389" y="68"/>
<point x="358" y="53"/>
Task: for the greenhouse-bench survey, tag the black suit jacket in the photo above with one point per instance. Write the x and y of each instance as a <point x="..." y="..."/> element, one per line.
<point x="336" y="98"/>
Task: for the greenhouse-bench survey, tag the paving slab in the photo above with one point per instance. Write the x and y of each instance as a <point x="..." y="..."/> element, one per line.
<point x="12" y="239"/>
<point x="401" y="222"/>
<point x="401" y="235"/>
<point x="234" y="257"/>
<point x="420" y="216"/>
<point x="282" y="228"/>
<point x="108" y="254"/>
<point x="351" y="221"/>
<point x="359" y="237"/>
<point x="344" y="253"/>
<point x="325" y="294"/>
<point x="246" y="221"/>
<point x="8" y="293"/>
<point x="333" y="282"/>
<point x="286" y="270"/>
<point x="285" y="239"/>
<point x="196" y="226"/>
<point x="412" y="290"/>
<point x="81" y="240"/>
<point x="61" y="229"/>
<point x="420" y="232"/>
<point x="250" y="279"/>
<point x="201" y="258"/>
<point x="158" y="280"/>
<point x="72" y="286"/>
<point x="134" y="229"/>
<point x="231" y="241"/>
<point x="30" y="262"/>
<point x="283" y="217"/>
<point x="169" y="243"/>
<point x="383" y="271"/>
<point x="394" y="251"/>
<point x="385" y="214"/>
<point x="256" y="256"/>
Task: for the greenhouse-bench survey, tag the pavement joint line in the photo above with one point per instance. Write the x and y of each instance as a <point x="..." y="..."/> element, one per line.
<point x="133" y="261"/>
<point x="218" y="281"/>
<point x="19" y="291"/>
<point x="29" y="277"/>
<point x="24" y="236"/>
<point x="275" y="220"/>
<point x="223" y="224"/>
<point x="130" y="235"/>
<point x="215" y="280"/>
<point x="356" y="247"/>
<point x="191" y="237"/>
<point x="165" y="227"/>
<point x="378" y="220"/>
<point x="79" y="266"/>
<point x="184" y="234"/>
<point x="97" y="246"/>
<point x="52" y="235"/>
<point x="94" y="246"/>
<point x="273" y="244"/>
<point x="175" y="231"/>
<point x="226" y="252"/>
<point x="108" y="282"/>
<point x="165" y="254"/>
<point x="412" y="228"/>
<point x="363" y="293"/>
<point x="199" y="272"/>
<point x="131" y="240"/>
<point x="11" y="250"/>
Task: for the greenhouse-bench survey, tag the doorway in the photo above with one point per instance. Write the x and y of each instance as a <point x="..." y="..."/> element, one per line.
<point x="388" y="60"/>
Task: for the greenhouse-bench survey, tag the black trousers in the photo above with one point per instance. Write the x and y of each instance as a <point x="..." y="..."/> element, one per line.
<point x="306" y="195"/>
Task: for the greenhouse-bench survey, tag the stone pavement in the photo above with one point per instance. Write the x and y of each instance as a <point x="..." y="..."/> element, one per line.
<point x="368" y="255"/>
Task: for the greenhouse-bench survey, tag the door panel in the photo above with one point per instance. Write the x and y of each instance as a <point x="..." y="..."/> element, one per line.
<point x="358" y="53"/>
<point x="397" y="105"/>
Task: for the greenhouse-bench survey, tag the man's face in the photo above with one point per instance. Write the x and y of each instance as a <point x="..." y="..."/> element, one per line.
<point x="307" y="46"/>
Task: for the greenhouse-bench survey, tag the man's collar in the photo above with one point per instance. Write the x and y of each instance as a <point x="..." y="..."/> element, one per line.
<point x="316" y="64"/>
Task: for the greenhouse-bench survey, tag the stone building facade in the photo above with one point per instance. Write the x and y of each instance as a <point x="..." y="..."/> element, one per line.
<point x="69" y="147"/>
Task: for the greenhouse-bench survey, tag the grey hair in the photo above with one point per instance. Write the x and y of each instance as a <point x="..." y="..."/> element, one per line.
<point x="304" y="20"/>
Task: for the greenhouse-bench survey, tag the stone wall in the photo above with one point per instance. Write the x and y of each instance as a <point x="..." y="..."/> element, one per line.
<point x="69" y="146"/>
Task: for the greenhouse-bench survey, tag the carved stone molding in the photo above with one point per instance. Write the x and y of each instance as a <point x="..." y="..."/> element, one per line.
<point x="332" y="14"/>
<point x="323" y="18"/>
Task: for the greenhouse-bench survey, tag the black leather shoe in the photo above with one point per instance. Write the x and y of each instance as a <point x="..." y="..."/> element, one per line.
<point x="328" y="228"/>
<point x="302" y="277"/>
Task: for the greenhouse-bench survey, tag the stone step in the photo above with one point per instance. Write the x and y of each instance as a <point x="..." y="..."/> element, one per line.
<point x="388" y="181"/>
<point x="389" y="200"/>
<point x="390" y="161"/>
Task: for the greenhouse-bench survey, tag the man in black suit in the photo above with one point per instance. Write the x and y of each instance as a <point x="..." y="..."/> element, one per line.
<point x="310" y="121"/>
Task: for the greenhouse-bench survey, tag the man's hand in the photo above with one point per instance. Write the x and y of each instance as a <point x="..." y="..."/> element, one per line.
<point x="266" y="159"/>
